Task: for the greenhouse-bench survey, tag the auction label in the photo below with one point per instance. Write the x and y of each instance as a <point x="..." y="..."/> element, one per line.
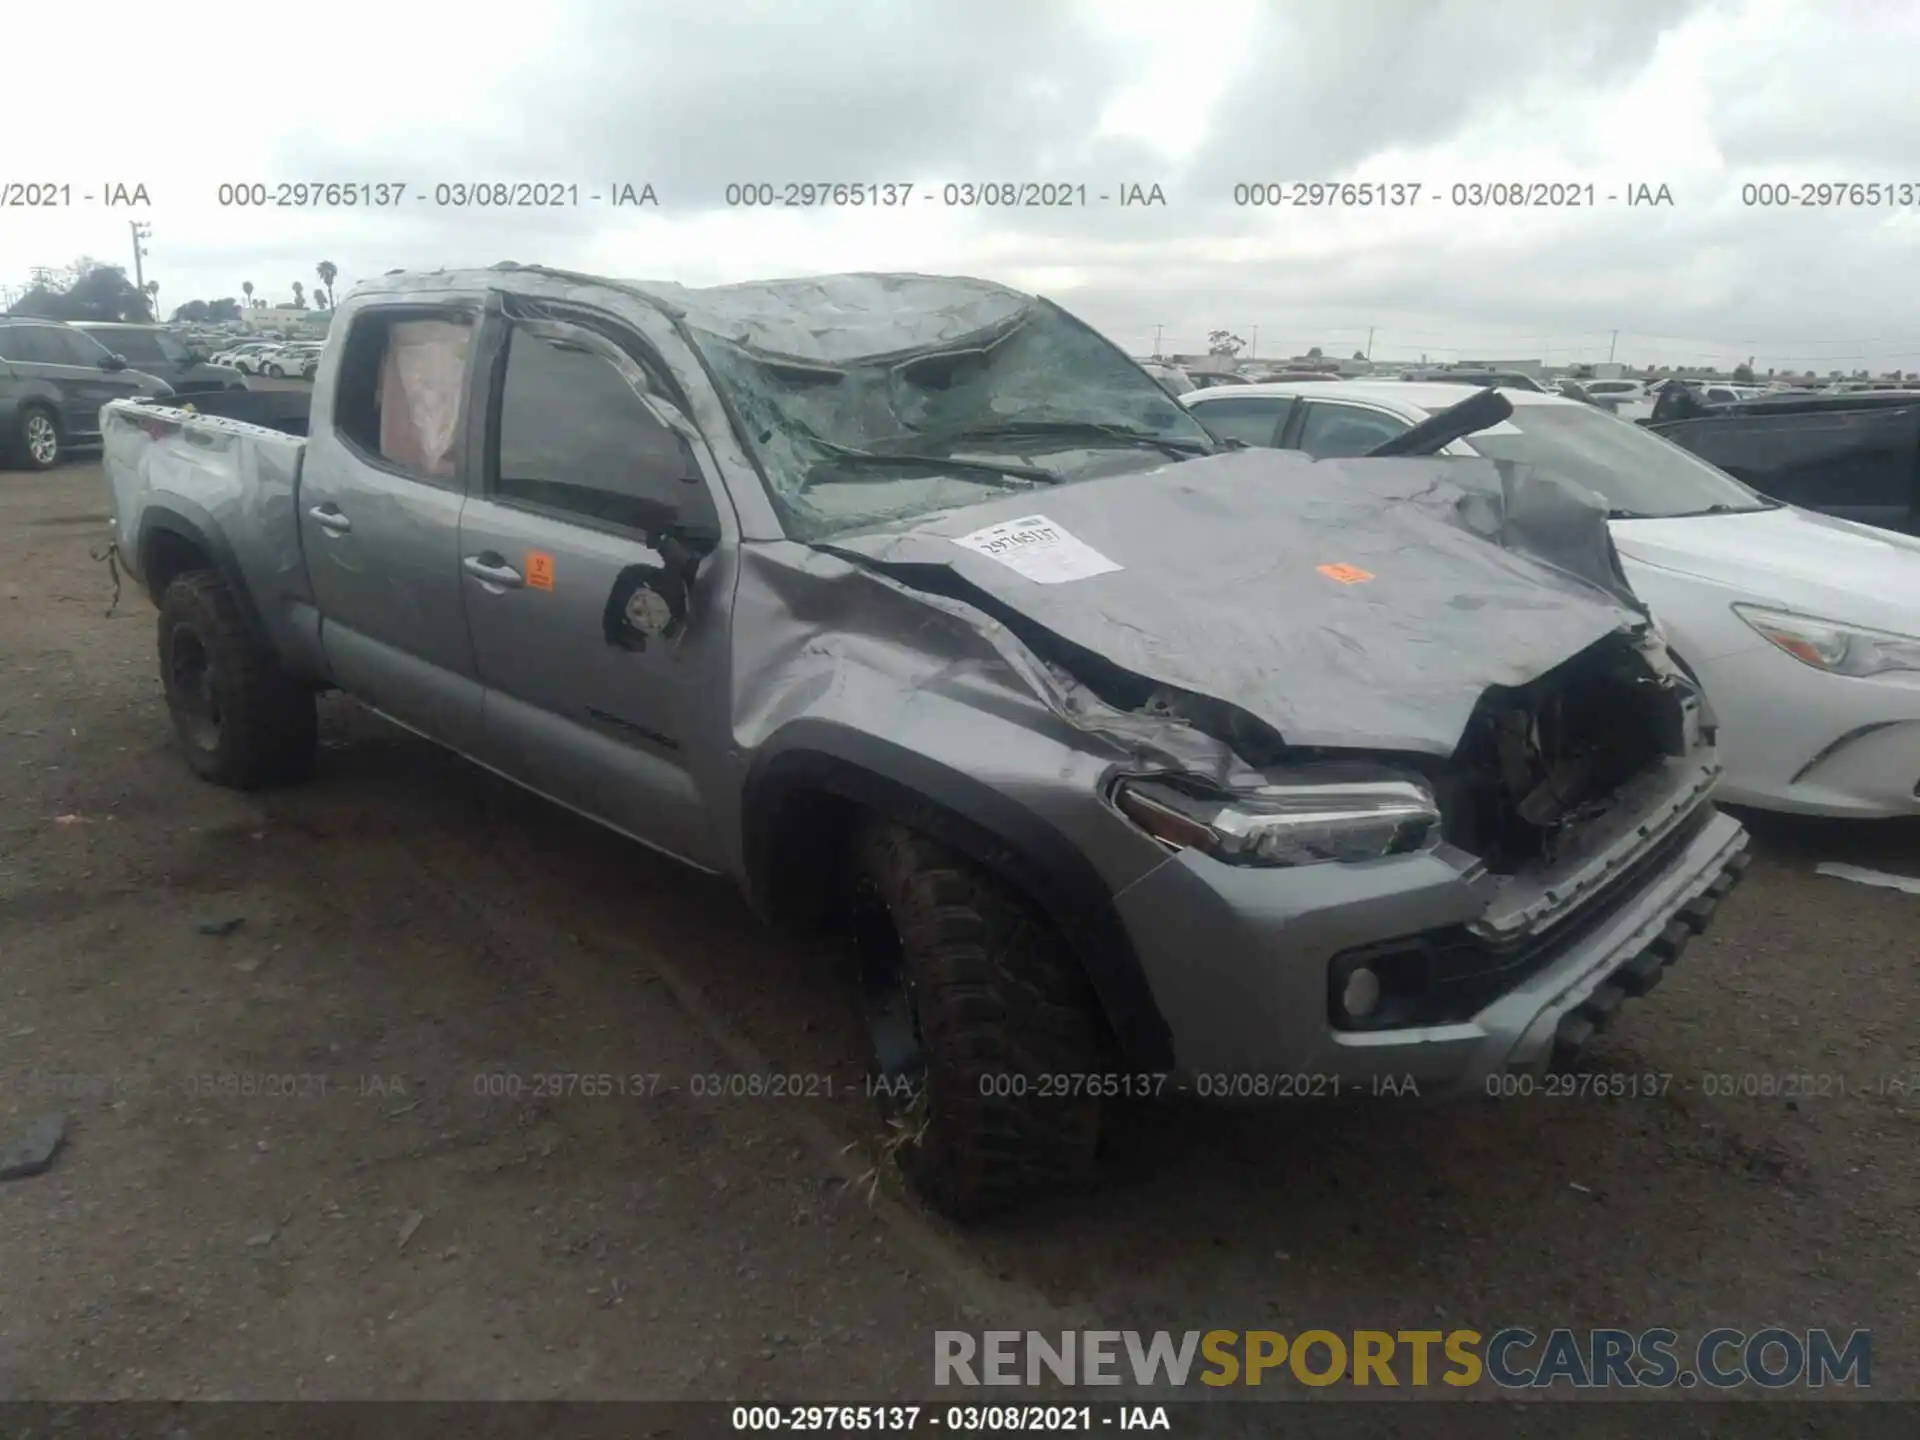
<point x="1039" y="549"/>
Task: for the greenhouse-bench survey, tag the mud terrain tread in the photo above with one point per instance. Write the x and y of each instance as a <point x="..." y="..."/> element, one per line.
<point x="998" y="993"/>
<point x="269" y="730"/>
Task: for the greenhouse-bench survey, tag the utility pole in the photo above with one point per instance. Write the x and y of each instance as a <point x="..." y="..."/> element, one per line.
<point x="1156" y="340"/>
<point x="1369" y="342"/>
<point x="142" y="232"/>
<point x="1610" y="344"/>
<point x="1253" y="350"/>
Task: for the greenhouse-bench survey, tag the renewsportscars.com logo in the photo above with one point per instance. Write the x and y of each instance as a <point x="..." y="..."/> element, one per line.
<point x="1512" y="1358"/>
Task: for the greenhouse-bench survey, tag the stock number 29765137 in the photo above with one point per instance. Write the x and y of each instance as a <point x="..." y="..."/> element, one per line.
<point x="561" y="1084"/>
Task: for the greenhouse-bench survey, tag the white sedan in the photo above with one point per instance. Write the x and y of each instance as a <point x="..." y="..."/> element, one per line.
<point x="285" y="362"/>
<point x="245" y="358"/>
<point x="1803" y="629"/>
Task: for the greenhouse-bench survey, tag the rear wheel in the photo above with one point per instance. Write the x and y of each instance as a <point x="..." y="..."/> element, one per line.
<point x="36" y="438"/>
<point x="980" y="1021"/>
<point x="242" y="721"/>
<point x="276" y="372"/>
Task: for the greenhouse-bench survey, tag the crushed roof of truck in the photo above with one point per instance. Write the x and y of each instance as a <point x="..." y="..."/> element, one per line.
<point x="829" y="319"/>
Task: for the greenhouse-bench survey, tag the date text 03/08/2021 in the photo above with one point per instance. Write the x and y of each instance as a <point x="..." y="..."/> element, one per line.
<point x="472" y="194"/>
<point x="951" y="1419"/>
<point x="1511" y="194"/>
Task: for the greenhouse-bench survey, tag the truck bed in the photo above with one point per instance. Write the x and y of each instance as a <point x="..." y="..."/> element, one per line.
<point x="228" y="483"/>
<point x="282" y="410"/>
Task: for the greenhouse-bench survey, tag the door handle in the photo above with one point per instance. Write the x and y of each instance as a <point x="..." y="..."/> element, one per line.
<point x="493" y="569"/>
<point x="329" y="519"/>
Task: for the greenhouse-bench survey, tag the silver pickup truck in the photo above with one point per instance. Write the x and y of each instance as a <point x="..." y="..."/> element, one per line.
<point x="1129" y="761"/>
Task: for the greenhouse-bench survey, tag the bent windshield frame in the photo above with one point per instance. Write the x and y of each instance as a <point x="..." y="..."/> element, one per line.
<point x="1040" y="368"/>
<point x="1633" y="470"/>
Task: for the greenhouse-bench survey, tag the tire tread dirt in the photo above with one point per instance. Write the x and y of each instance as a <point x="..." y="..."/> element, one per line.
<point x="998" y="993"/>
<point x="269" y="731"/>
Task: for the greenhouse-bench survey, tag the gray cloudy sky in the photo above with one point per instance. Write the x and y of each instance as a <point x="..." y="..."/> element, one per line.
<point x="1703" y="96"/>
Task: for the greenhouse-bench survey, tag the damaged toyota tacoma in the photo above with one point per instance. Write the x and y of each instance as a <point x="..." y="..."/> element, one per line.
<point x="916" y="607"/>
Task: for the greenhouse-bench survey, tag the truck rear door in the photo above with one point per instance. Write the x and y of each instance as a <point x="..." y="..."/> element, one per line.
<point x="381" y="491"/>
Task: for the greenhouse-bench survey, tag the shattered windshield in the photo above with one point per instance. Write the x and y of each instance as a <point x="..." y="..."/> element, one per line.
<point x="1034" y="400"/>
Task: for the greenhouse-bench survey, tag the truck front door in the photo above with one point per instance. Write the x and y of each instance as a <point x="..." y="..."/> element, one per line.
<point x="595" y="695"/>
<point x="381" y="489"/>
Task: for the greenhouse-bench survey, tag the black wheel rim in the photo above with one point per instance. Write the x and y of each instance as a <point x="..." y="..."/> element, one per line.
<point x="892" y="1014"/>
<point x="196" y="704"/>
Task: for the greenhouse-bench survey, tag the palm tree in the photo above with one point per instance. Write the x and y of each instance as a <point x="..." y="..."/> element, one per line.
<point x="327" y="270"/>
<point x="246" y="288"/>
<point x="299" y="296"/>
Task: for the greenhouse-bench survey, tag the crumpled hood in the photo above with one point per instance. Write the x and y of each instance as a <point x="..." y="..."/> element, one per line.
<point x="1360" y="604"/>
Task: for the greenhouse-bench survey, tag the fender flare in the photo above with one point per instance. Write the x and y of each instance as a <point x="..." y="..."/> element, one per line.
<point x="1019" y="847"/>
<point x="189" y="522"/>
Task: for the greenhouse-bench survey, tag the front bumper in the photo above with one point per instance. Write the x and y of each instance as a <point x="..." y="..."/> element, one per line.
<point x="1237" y="960"/>
<point x="1796" y="740"/>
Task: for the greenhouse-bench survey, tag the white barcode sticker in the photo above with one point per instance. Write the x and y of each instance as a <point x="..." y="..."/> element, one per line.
<point x="1038" y="549"/>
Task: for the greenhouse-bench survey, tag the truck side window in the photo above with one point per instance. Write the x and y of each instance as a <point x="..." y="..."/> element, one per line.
<point x="573" y="436"/>
<point x="397" y="397"/>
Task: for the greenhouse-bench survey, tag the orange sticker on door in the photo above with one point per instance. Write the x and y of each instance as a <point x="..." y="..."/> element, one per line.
<point x="1346" y="574"/>
<point x="539" y="570"/>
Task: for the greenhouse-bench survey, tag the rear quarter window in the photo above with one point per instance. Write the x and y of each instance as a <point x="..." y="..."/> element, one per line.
<point x="402" y="378"/>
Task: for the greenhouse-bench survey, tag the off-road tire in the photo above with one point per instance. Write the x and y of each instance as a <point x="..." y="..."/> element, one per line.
<point x="1000" y="1002"/>
<point x="32" y="428"/>
<point x="265" y="729"/>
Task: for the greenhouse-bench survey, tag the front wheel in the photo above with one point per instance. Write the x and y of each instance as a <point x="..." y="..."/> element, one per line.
<point x="276" y="372"/>
<point x="981" y="1020"/>
<point x="36" y="439"/>
<point x="242" y="721"/>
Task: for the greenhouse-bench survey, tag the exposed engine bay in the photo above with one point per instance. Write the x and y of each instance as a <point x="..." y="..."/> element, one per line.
<point x="1538" y="761"/>
<point x="1535" y="763"/>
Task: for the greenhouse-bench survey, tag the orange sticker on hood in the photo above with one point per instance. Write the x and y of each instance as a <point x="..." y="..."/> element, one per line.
<point x="1346" y="574"/>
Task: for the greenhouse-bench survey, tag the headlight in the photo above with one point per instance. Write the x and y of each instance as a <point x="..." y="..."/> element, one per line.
<point x="1309" y="818"/>
<point x="1837" y="649"/>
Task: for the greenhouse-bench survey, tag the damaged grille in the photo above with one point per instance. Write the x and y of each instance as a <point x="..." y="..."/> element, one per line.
<point x="1538" y="761"/>
<point x="1449" y="975"/>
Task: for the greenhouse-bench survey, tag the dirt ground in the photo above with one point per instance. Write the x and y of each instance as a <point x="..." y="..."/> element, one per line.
<point x="306" y="1156"/>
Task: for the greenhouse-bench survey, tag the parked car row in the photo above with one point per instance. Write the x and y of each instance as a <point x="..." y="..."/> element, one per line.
<point x="278" y="359"/>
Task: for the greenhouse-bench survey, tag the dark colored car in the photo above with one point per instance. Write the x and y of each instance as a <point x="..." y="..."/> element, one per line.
<point x="53" y="380"/>
<point x="157" y="351"/>
<point x="1855" y="456"/>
